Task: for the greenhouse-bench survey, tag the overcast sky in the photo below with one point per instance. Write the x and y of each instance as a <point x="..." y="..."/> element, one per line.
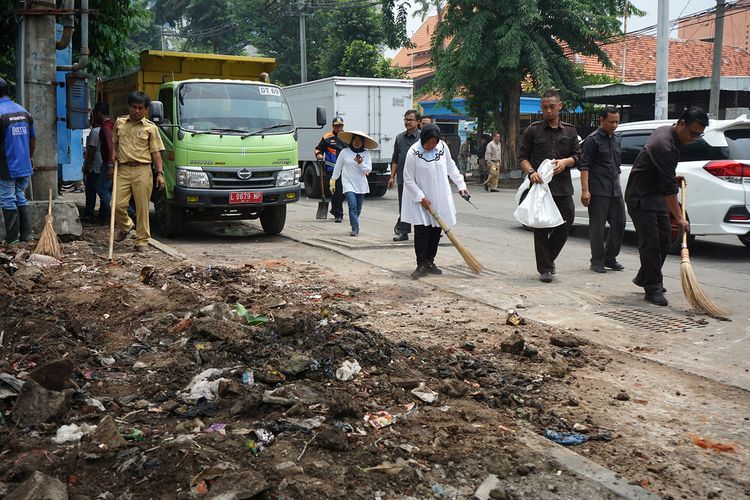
<point x="676" y="8"/>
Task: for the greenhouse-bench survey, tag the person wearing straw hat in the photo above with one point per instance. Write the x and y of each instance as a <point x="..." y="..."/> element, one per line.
<point x="426" y="170"/>
<point x="352" y="166"/>
<point x="651" y="195"/>
<point x="17" y="143"/>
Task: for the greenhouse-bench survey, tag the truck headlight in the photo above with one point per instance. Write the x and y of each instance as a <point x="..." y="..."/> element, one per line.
<point x="192" y="179"/>
<point x="288" y="177"/>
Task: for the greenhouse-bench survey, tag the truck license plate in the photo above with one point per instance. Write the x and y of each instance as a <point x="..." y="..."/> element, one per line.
<point x="246" y="197"/>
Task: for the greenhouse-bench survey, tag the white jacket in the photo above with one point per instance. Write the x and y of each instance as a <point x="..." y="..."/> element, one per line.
<point x="426" y="175"/>
<point x="353" y="175"/>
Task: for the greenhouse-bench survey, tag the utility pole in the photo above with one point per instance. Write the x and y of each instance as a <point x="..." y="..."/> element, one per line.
<point x="624" y="41"/>
<point x="662" y="61"/>
<point x="713" y="102"/>
<point x="40" y="88"/>
<point x="302" y="43"/>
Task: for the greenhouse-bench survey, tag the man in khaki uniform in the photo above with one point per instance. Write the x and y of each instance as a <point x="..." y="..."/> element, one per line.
<point x="137" y="147"/>
<point x="493" y="155"/>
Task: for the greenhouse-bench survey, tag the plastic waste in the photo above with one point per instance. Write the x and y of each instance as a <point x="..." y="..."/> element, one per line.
<point x="206" y="384"/>
<point x="574" y="438"/>
<point x="72" y="433"/>
<point x="515" y="319"/>
<point x="348" y="370"/>
<point x="538" y="209"/>
<point x="248" y="378"/>
<point x="424" y="393"/>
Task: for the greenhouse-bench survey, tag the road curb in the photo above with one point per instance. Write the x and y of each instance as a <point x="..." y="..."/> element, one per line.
<point x="163" y="247"/>
<point x="584" y="467"/>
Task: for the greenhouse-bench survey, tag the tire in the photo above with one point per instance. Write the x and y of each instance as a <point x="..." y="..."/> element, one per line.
<point x="169" y="218"/>
<point x="312" y="182"/>
<point x="675" y="244"/>
<point x="379" y="191"/>
<point x="272" y="219"/>
<point x="745" y="239"/>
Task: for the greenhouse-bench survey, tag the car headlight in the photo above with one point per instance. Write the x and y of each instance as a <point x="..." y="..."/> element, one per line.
<point x="192" y="179"/>
<point x="288" y="177"/>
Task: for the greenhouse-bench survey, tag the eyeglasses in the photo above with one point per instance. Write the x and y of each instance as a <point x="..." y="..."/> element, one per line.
<point x="409" y="120"/>
<point x="695" y="135"/>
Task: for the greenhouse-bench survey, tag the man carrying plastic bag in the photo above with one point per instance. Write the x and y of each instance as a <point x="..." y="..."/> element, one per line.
<point x="538" y="209"/>
<point x="556" y="140"/>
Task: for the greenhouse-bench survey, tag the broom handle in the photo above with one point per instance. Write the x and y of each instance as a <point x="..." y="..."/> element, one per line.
<point x="437" y="218"/>
<point x="112" y="204"/>
<point x="49" y="206"/>
<point x="684" y="233"/>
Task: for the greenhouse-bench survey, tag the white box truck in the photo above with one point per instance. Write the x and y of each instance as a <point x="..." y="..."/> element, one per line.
<point x="375" y="106"/>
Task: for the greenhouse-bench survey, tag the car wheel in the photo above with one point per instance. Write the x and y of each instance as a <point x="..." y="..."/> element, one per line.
<point x="745" y="239"/>
<point x="312" y="182"/>
<point x="675" y="244"/>
<point x="169" y="218"/>
<point x="272" y="219"/>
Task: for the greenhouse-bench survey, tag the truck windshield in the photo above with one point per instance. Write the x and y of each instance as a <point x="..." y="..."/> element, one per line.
<point x="233" y="108"/>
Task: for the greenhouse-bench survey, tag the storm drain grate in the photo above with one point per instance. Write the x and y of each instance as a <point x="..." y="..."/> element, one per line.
<point x="649" y="320"/>
<point x="464" y="270"/>
<point x="308" y="227"/>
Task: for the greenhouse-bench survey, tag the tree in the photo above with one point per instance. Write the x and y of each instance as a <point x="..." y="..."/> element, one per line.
<point x="486" y="49"/>
<point x="203" y="25"/>
<point x="364" y="59"/>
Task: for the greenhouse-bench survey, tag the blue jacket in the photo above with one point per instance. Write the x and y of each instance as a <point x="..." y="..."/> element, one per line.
<point x="16" y="129"/>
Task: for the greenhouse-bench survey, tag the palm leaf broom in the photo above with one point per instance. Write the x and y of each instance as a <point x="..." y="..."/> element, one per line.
<point x="690" y="286"/>
<point x="48" y="243"/>
<point x="470" y="260"/>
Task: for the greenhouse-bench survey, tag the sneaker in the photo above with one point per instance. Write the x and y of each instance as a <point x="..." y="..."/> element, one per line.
<point x="614" y="265"/>
<point x="638" y="283"/>
<point x="338" y="220"/>
<point x="420" y="271"/>
<point x="401" y="237"/>
<point x="494" y="190"/>
<point x="121" y="235"/>
<point x="598" y="268"/>
<point x="355" y="232"/>
<point x="657" y="299"/>
<point x="433" y="269"/>
<point x="546" y="277"/>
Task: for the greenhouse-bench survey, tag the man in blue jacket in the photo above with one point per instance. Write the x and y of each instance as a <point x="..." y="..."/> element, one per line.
<point x="17" y="143"/>
<point x="328" y="150"/>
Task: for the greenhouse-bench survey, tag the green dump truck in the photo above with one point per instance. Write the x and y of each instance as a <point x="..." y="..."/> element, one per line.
<point x="231" y="147"/>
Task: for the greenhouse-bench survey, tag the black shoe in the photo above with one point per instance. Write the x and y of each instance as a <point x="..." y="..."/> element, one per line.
<point x="597" y="268"/>
<point x="338" y="220"/>
<point x="638" y="283"/>
<point x="401" y="237"/>
<point x="614" y="265"/>
<point x="657" y="299"/>
<point x="494" y="190"/>
<point x="546" y="277"/>
<point x="486" y="188"/>
<point x="554" y="269"/>
<point x="420" y="271"/>
<point x="433" y="269"/>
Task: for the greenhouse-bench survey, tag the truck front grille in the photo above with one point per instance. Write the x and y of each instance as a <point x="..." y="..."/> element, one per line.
<point x="226" y="178"/>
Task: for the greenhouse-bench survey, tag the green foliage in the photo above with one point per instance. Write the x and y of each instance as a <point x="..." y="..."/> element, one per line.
<point x="8" y="30"/>
<point x="204" y="25"/>
<point x="364" y="59"/>
<point x="250" y="318"/>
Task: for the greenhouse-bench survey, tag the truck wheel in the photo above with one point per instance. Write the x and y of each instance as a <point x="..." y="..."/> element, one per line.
<point x="379" y="191"/>
<point x="312" y="182"/>
<point x="272" y="219"/>
<point x="169" y="218"/>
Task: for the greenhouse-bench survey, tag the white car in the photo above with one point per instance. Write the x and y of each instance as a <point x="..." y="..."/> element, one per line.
<point x="717" y="171"/>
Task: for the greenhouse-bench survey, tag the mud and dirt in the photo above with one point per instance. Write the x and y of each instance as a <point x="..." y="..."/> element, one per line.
<point x="272" y="420"/>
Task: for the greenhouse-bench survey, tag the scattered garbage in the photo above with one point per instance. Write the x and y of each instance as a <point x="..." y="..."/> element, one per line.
<point x="220" y="428"/>
<point x="134" y="435"/>
<point x="713" y="445"/>
<point x="39" y="260"/>
<point x="574" y="438"/>
<point x="348" y="370"/>
<point x="248" y="378"/>
<point x="250" y="318"/>
<point x="207" y="384"/>
<point x="381" y="419"/>
<point x="72" y="433"/>
<point x="515" y="319"/>
<point x="425" y="394"/>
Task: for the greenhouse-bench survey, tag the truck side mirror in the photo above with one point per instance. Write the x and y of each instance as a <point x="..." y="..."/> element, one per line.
<point x="320" y="116"/>
<point x="156" y="112"/>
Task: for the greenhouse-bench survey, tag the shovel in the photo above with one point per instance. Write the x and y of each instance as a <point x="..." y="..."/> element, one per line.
<point x="322" y="204"/>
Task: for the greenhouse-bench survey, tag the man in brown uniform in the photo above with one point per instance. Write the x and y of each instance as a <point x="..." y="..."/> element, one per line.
<point x="137" y="147"/>
<point x="557" y="141"/>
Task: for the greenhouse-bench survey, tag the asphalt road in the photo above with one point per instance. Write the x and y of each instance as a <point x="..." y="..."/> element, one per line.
<point x="606" y="308"/>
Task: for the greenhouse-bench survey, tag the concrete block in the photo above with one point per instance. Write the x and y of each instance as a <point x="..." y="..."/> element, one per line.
<point x="67" y="222"/>
<point x="40" y="486"/>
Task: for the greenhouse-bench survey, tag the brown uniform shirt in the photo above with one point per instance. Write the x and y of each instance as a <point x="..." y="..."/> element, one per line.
<point x="135" y="141"/>
<point x="541" y="142"/>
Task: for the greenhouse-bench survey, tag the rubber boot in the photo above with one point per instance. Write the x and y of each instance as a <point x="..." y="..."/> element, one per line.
<point x="24" y="224"/>
<point x="11" y="225"/>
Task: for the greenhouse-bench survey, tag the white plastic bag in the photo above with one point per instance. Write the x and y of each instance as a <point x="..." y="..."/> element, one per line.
<point x="538" y="209"/>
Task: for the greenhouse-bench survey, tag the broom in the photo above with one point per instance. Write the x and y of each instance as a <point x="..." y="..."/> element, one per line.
<point x="112" y="203"/>
<point x="690" y="286"/>
<point x="471" y="261"/>
<point x="48" y="243"/>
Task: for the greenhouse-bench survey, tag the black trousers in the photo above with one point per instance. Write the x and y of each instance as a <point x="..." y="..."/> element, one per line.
<point x="401" y="227"/>
<point x="337" y="198"/>
<point x="549" y="242"/>
<point x="426" y="241"/>
<point x="654" y="237"/>
<point x="603" y="210"/>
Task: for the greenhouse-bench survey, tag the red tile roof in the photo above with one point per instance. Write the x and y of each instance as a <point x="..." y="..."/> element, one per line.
<point x="687" y="59"/>
<point x="416" y="60"/>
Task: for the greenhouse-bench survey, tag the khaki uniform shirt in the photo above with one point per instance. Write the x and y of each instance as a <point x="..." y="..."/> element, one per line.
<point x="135" y="141"/>
<point x="493" y="152"/>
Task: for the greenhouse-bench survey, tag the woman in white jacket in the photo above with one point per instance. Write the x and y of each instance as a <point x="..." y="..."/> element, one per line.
<point x="426" y="171"/>
<point x="352" y="165"/>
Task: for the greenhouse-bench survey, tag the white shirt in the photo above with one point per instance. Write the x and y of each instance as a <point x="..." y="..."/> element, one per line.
<point x="353" y="175"/>
<point x="493" y="152"/>
<point x="426" y="175"/>
<point x="92" y="141"/>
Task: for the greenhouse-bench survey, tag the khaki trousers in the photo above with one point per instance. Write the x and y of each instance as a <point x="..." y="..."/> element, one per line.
<point x="492" y="179"/>
<point x="137" y="182"/>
